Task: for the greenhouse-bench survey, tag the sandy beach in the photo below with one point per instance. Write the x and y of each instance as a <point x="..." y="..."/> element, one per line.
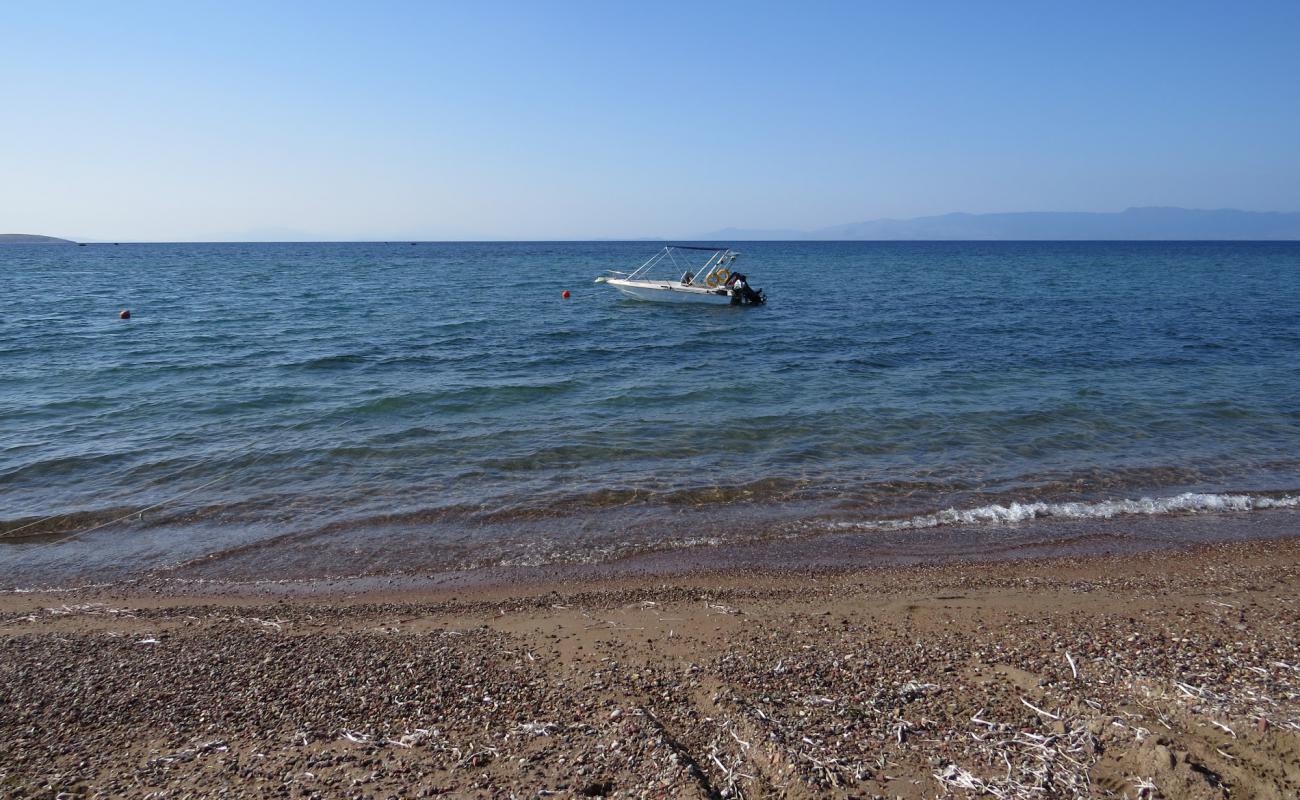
<point x="1156" y="675"/>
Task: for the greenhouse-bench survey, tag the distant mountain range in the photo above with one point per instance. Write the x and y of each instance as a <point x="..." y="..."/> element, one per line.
<point x="30" y="238"/>
<point x="1150" y="223"/>
<point x="1155" y="223"/>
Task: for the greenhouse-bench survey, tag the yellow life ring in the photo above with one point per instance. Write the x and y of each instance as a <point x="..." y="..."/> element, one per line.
<point x="712" y="281"/>
<point x="723" y="274"/>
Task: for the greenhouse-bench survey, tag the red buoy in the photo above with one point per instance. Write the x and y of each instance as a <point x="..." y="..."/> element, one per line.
<point x="565" y="294"/>
<point x="125" y="314"/>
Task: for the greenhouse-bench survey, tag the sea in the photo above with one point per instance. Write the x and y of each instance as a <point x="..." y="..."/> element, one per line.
<point x="295" y="412"/>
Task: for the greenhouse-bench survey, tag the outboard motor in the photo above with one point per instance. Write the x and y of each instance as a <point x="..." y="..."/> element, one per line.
<point x="741" y="293"/>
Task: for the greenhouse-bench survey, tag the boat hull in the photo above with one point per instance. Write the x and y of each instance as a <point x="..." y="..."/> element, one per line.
<point x="666" y="292"/>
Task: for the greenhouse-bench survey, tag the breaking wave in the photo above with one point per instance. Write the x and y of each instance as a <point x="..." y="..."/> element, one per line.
<point x="997" y="513"/>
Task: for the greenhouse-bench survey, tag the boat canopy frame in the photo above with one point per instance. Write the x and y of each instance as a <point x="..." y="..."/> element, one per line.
<point x="718" y="258"/>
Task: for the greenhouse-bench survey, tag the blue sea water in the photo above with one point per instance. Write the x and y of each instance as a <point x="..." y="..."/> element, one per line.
<point x="313" y="409"/>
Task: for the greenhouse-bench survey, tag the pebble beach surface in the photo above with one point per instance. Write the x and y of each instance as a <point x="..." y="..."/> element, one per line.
<point x="1159" y="675"/>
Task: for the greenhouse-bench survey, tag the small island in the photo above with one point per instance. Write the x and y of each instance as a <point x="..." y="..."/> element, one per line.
<point x="31" y="238"/>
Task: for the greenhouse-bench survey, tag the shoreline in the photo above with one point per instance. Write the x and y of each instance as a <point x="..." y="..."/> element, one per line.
<point x="1077" y="676"/>
<point x="585" y="542"/>
<point x="827" y="552"/>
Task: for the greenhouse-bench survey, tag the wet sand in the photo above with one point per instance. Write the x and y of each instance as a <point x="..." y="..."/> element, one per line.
<point x="1173" y="674"/>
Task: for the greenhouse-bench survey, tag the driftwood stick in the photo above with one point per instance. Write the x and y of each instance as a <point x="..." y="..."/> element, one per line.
<point x="1033" y="707"/>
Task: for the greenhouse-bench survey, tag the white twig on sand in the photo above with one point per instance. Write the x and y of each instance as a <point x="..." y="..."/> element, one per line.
<point x="411" y="739"/>
<point x="1033" y="707"/>
<point x="1196" y="692"/>
<point x="977" y="720"/>
<point x="93" y="609"/>
<point x="1224" y="728"/>
<point x="538" y="728"/>
<point x="721" y="608"/>
<point x="472" y="758"/>
<point x="900" y="729"/>
<point x="1073" y="668"/>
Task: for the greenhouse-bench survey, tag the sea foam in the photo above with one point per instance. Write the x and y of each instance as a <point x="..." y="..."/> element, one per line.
<point x="997" y="513"/>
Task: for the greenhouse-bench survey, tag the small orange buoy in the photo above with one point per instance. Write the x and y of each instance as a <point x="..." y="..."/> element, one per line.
<point x="125" y="314"/>
<point x="565" y="294"/>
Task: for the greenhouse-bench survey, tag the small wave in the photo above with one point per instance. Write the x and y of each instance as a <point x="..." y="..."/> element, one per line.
<point x="475" y="399"/>
<point x="997" y="513"/>
<point x="329" y="362"/>
<point x="22" y="529"/>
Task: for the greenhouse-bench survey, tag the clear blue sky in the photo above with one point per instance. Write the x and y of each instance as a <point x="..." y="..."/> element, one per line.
<point x="194" y="120"/>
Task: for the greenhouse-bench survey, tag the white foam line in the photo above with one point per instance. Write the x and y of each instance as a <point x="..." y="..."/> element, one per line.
<point x="996" y="513"/>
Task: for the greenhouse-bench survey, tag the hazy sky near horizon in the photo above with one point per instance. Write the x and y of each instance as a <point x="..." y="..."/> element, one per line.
<point x="202" y="120"/>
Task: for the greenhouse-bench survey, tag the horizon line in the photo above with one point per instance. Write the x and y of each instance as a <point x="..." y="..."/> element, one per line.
<point x="641" y="240"/>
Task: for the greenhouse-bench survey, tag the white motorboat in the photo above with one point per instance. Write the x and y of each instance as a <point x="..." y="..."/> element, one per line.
<point x="714" y="282"/>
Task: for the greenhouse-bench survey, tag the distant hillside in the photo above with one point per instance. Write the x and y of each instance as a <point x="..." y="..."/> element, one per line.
<point x="1153" y="223"/>
<point x="30" y="238"/>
